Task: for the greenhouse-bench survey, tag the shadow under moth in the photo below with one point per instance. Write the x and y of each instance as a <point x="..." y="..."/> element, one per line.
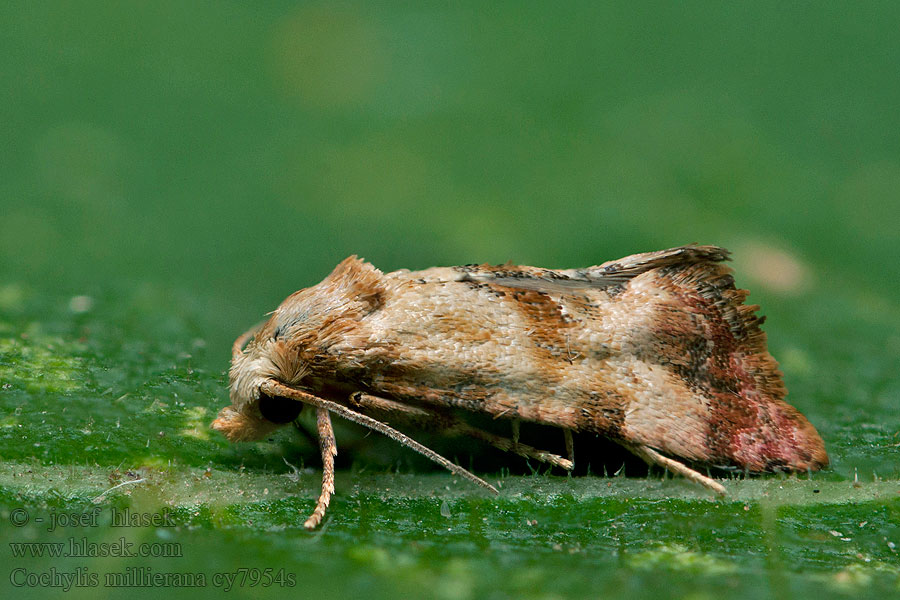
<point x="654" y="351"/>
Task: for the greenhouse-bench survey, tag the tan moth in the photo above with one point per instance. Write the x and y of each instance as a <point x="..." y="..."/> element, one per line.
<point x="655" y="351"/>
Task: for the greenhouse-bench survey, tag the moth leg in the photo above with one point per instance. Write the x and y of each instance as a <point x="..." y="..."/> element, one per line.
<point x="570" y="445"/>
<point x="507" y="445"/>
<point x="515" y="426"/>
<point x="418" y="417"/>
<point x="446" y="424"/>
<point x="652" y="457"/>
<point x="273" y="387"/>
<point x="329" y="450"/>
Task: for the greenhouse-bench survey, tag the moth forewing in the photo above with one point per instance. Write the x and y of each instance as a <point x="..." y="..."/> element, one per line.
<point x="655" y="351"/>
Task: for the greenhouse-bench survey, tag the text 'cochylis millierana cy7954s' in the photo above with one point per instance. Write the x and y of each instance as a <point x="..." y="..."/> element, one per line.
<point x="654" y="351"/>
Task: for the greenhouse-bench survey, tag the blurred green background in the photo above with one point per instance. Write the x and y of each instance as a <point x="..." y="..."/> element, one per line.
<point x="170" y="171"/>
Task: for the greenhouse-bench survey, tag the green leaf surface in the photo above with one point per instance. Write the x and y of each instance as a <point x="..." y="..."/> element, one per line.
<point x="173" y="170"/>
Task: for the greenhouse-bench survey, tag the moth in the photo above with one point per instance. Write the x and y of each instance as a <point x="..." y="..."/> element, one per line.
<point x="655" y="351"/>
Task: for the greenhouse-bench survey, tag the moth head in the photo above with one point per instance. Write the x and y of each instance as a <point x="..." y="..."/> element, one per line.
<point x="307" y="325"/>
<point x="253" y="414"/>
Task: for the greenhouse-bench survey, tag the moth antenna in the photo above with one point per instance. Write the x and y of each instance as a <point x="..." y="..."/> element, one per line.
<point x="329" y="450"/>
<point x="238" y="346"/>
<point x="273" y="387"/>
<point x="655" y="458"/>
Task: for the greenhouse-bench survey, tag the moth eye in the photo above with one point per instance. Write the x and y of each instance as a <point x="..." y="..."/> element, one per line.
<point x="279" y="409"/>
